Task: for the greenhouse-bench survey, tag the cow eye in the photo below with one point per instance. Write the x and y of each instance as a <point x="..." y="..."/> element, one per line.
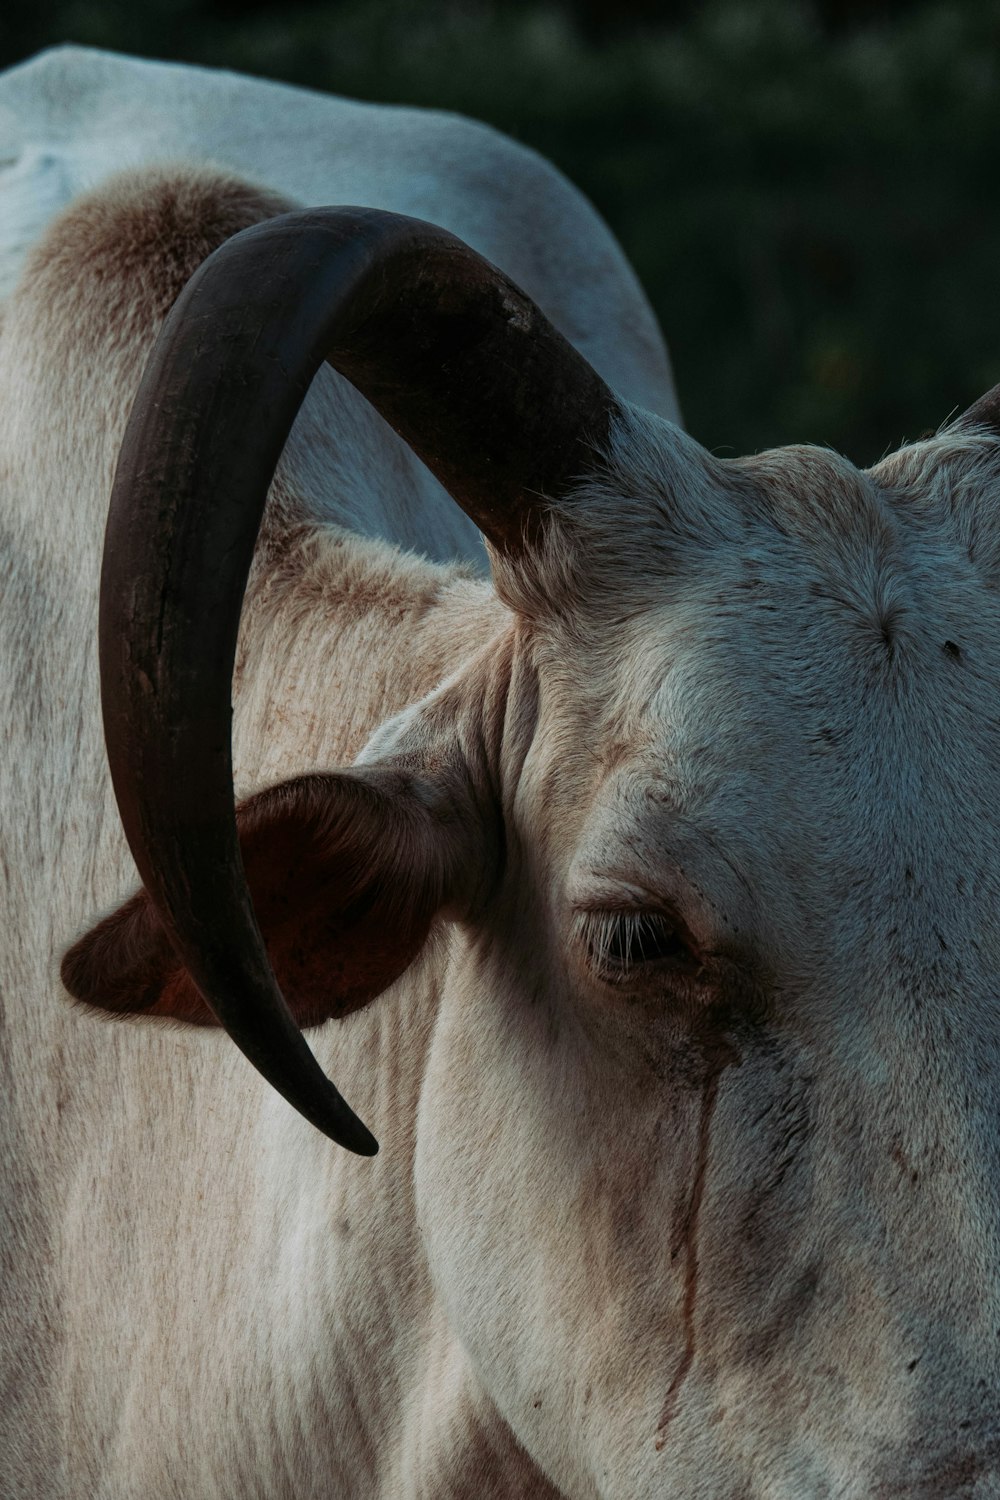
<point x="617" y="943"/>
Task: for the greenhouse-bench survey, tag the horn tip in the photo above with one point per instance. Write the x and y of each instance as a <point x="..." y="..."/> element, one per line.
<point x="344" y="1127"/>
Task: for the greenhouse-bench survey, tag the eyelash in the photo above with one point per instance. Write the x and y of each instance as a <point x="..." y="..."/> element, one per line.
<point x="619" y="942"/>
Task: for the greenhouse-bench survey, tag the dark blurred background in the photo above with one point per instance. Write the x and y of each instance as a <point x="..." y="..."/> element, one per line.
<point x="808" y="188"/>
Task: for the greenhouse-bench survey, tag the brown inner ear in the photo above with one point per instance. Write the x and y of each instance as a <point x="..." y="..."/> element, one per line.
<point x="344" y="897"/>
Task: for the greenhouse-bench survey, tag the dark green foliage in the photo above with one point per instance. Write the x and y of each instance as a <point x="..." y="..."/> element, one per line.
<point x="807" y="191"/>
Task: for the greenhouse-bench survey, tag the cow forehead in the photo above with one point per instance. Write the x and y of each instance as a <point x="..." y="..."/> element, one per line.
<point x="815" y="686"/>
<point x="824" y="604"/>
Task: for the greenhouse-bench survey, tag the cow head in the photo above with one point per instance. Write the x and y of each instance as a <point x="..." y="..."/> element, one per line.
<point x="711" y="827"/>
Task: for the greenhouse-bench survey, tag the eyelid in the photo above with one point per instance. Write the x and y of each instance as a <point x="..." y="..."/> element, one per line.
<point x="598" y="927"/>
<point x="676" y="897"/>
<point x="610" y="895"/>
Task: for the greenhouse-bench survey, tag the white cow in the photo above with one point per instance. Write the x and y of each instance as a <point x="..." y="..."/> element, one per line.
<point x="652" y="931"/>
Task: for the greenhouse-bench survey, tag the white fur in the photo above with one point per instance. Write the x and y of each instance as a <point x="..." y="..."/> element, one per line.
<point x="71" y="117"/>
<point x="728" y="1230"/>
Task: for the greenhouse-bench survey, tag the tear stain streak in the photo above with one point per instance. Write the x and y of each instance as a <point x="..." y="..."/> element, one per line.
<point x="689" y="1238"/>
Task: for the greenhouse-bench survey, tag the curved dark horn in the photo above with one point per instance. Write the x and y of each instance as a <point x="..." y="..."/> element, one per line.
<point x="983" y="413"/>
<point x="498" y="405"/>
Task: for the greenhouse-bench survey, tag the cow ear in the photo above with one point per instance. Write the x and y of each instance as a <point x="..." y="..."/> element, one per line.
<point x="348" y="872"/>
